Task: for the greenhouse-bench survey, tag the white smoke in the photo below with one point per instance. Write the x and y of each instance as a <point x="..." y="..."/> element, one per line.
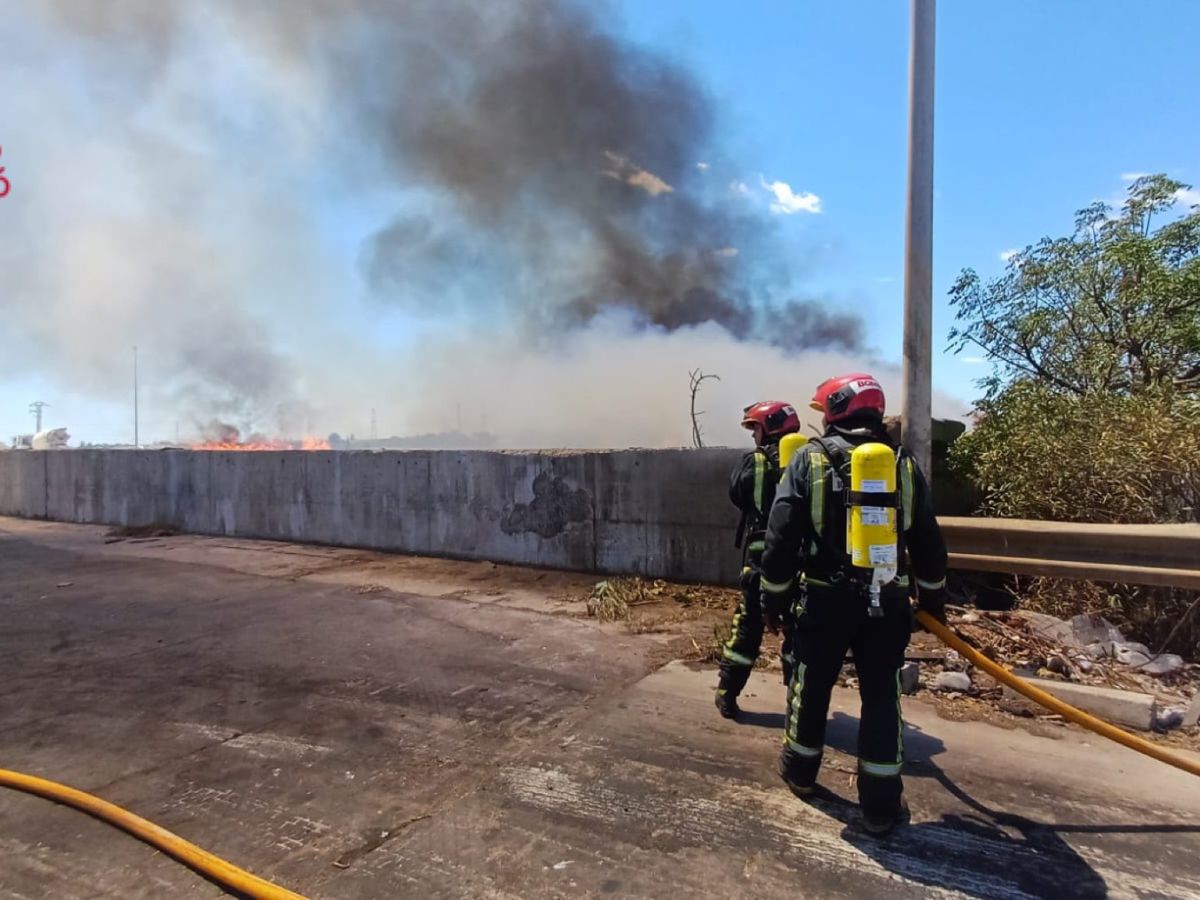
<point x="194" y="178"/>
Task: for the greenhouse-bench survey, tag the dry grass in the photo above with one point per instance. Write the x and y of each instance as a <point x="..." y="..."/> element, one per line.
<point x="616" y="599"/>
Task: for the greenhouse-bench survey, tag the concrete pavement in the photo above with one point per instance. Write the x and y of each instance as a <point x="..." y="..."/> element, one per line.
<point x="352" y="740"/>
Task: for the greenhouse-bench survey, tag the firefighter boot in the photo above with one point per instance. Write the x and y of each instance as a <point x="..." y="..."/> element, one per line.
<point x="799" y="769"/>
<point x="733" y="679"/>
<point x="882" y="802"/>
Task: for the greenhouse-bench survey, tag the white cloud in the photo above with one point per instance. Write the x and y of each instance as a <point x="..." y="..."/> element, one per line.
<point x="727" y="251"/>
<point x="1187" y="196"/>
<point x="1006" y="255"/>
<point x="787" y="201"/>
<point x="740" y="188"/>
<point x="973" y="360"/>
<point x="1133" y="176"/>
<point x="701" y="166"/>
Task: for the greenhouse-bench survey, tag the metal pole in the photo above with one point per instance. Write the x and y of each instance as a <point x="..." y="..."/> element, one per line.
<point x="918" y="266"/>
<point x="136" y="443"/>
<point x="36" y="408"/>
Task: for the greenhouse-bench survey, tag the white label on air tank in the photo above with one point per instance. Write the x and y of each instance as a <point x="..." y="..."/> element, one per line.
<point x="874" y="515"/>
<point x="883" y="554"/>
<point x="874" y="486"/>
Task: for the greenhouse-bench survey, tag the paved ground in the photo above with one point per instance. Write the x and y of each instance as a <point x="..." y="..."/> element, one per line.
<point x="362" y="726"/>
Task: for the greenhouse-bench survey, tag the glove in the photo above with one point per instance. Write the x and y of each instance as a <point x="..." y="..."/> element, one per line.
<point x="934" y="603"/>
<point x="774" y="608"/>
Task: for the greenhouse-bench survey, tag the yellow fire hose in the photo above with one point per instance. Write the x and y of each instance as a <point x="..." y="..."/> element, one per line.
<point x="224" y="873"/>
<point x="240" y="881"/>
<point x="1078" y="716"/>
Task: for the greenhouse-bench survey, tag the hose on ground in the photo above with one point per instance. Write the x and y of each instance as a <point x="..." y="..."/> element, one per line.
<point x="224" y="873"/>
<point x="1037" y="695"/>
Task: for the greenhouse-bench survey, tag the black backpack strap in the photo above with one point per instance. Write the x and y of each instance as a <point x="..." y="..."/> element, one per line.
<point x="836" y="455"/>
<point x="830" y="557"/>
<point x="901" y="550"/>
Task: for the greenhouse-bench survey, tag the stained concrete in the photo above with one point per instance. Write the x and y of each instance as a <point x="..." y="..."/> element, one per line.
<point x="1127" y="708"/>
<point x="663" y="513"/>
<point x="391" y="744"/>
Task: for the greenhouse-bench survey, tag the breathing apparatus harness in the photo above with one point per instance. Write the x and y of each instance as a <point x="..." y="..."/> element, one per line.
<point x="857" y="565"/>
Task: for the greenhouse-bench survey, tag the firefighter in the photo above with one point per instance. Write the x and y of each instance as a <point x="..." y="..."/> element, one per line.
<point x="752" y="489"/>
<point x="807" y="577"/>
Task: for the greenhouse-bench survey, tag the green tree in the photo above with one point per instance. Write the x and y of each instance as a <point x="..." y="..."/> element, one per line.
<point x="1113" y="307"/>
<point x="1092" y="410"/>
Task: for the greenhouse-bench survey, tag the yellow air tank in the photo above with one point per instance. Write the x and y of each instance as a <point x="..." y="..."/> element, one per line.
<point x="871" y="530"/>
<point x="789" y="444"/>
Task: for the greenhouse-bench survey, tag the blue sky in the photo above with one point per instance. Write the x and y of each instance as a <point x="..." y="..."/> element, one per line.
<point x="1041" y="108"/>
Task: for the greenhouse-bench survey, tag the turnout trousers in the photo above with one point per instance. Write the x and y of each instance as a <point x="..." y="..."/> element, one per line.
<point x="741" y="651"/>
<point x="833" y="619"/>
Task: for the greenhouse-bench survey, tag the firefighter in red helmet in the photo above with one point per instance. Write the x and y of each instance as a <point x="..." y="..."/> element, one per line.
<point x="752" y="489"/>
<point x="807" y="576"/>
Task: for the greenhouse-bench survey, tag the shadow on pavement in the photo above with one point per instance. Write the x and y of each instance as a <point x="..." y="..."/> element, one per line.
<point x="984" y="853"/>
<point x="762" y="719"/>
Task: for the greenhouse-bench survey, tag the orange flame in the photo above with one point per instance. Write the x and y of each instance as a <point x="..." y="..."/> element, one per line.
<point x="256" y="443"/>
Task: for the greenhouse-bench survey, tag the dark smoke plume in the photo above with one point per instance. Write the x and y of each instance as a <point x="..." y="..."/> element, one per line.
<point x="565" y="160"/>
<point x="538" y="171"/>
<point x="556" y="162"/>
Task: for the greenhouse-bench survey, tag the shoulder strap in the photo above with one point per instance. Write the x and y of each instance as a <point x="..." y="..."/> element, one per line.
<point x="818" y="488"/>
<point x="760" y="479"/>
<point x="761" y="464"/>
<point x="836" y="454"/>
<point x="907" y="479"/>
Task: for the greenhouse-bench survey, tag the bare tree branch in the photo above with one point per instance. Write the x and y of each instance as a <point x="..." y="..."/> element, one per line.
<point x="695" y="378"/>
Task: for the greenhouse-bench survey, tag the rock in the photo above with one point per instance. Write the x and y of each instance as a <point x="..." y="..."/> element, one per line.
<point x="1117" y="706"/>
<point x="1050" y="627"/>
<point x="952" y="681"/>
<point x="1014" y="703"/>
<point x="1164" y="664"/>
<point x="984" y="682"/>
<point x="1088" y="629"/>
<point x="1076" y="633"/>
<point x="1169" y="718"/>
<point x="1083" y="664"/>
<point x="1192" y="717"/>
<point x="1130" y="653"/>
<point x="1059" y="663"/>
<point x="954" y="661"/>
<point x="1132" y="656"/>
<point x="910" y="677"/>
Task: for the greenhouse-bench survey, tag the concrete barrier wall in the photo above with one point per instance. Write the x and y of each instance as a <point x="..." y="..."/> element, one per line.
<point x="662" y="513"/>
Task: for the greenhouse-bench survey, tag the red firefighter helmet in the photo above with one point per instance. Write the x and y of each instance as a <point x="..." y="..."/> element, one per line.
<point x="770" y="420"/>
<point x="848" y="397"/>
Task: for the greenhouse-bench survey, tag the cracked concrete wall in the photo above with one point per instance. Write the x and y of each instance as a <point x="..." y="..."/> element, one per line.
<point x="662" y="513"/>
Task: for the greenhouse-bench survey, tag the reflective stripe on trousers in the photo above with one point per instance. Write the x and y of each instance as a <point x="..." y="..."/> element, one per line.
<point x="889" y="769"/>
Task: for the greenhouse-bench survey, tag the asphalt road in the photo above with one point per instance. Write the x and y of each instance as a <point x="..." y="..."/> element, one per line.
<point x="351" y="740"/>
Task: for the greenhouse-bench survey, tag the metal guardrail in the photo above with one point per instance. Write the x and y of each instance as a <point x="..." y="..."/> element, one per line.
<point x="1159" y="555"/>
